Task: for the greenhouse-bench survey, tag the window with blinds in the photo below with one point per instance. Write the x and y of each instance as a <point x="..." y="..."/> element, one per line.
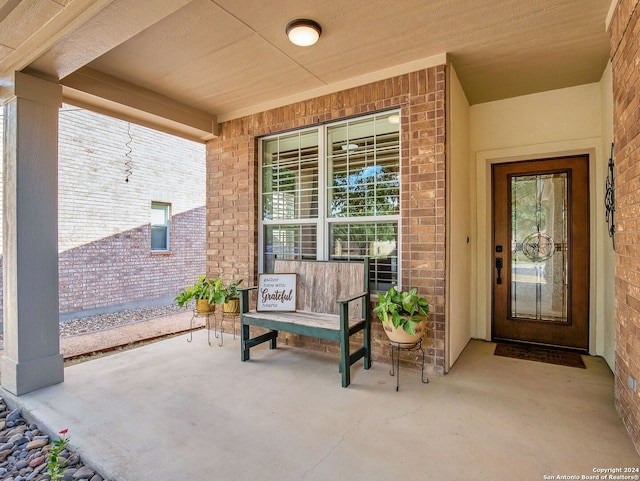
<point x="333" y="192"/>
<point x="290" y="177"/>
<point x="160" y="220"/>
<point x="364" y="163"/>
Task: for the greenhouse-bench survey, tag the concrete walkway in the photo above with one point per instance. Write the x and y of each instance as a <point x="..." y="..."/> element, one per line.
<point x="176" y="410"/>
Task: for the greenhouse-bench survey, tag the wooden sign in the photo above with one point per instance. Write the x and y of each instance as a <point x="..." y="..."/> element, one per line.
<point x="277" y="292"/>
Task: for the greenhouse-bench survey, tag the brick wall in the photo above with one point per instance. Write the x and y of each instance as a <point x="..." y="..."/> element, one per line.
<point x="625" y="55"/>
<point x="232" y="190"/>
<point x="104" y="244"/>
<point x="120" y="269"/>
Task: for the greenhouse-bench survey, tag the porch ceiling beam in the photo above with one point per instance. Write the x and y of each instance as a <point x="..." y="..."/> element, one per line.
<point x="89" y="88"/>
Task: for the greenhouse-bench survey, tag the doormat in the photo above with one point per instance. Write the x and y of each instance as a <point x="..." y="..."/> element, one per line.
<point x="540" y="354"/>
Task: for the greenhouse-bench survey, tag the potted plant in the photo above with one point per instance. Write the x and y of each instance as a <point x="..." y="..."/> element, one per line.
<point x="231" y="306"/>
<point x="206" y="292"/>
<point x="403" y="316"/>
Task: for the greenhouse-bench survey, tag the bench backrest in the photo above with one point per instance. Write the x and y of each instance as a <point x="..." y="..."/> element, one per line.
<point x="321" y="283"/>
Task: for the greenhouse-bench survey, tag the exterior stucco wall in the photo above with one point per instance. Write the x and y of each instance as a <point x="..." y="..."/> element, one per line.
<point x="459" y="201"/>
<point x="560" y="122"/>
<point x="232" y="189"/>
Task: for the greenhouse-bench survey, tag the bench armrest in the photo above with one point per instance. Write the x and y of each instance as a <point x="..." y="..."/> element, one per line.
<point x="244" y="298"/>
<point x="344" y="310"/>
<point x="353" y="297"/>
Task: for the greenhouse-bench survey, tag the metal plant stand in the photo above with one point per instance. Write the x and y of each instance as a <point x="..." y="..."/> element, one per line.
<point x="226" y="315"/>
<point x="208" y="325"/>
<point x="209" y="315"/>
<point x="396" y="347"/>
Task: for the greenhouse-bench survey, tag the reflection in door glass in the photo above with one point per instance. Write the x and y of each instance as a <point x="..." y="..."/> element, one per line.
<point x="539" y="247"/>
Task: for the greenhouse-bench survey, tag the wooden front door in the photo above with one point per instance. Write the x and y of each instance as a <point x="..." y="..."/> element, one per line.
<point x="541" y="252"/>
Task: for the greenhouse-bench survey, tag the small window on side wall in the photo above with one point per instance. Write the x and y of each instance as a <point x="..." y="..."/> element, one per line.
<point x="160" y="217"/>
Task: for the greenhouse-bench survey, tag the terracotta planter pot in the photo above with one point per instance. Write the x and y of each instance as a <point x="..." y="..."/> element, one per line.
<point x="232" y="307"/>
<point x="204" y="308"/>
<point x="401" y="338"/>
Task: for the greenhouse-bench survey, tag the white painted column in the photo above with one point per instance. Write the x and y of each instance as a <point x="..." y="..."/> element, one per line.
<point x="32" y="358"/>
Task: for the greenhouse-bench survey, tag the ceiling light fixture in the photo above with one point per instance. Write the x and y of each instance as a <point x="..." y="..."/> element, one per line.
<point x="394" y="119"/>
<point x="349" y="146"/>
<point x="303" y="32"/>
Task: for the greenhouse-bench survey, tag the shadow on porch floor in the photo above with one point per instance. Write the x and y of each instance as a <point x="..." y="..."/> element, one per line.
<point x="177" y="410"/>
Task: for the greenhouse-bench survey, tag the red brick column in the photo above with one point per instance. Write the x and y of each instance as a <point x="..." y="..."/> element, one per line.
<point x="625" y="57"/>
<point x="423" y="200"/>
<point x="232" y="203"/>
<point x="232" y="188"/>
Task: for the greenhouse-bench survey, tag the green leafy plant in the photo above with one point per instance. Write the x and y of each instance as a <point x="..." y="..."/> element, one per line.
<point x="217" y="291"/>
<point x="55" y="465"/>
<point x="402" y="309"/>
<point x="211" y="290"/>
<point x="231" y="290"/>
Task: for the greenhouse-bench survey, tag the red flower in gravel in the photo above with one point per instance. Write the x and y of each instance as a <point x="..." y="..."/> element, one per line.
<point x="64" y="431"/>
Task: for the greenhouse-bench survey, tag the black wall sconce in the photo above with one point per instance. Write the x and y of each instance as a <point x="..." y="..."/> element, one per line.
<point x="610" y="200"/>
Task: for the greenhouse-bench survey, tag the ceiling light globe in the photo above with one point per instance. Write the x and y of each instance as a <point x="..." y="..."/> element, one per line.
<point x="303" y="32"/>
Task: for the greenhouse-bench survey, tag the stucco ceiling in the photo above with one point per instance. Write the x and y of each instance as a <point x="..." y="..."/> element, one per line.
<point x="205" y="59"/>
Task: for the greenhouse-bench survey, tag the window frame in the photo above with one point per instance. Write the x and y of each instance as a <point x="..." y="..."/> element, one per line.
<point x="166" y="208"/>
<point x="323" y="220"/>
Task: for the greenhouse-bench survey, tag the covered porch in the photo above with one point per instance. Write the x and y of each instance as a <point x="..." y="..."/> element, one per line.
<point x="511" y="81"/>
<point x="179" y="410"/>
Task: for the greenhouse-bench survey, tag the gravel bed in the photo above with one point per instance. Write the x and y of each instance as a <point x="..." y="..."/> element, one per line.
<point x="99" y="322"/>
<point x="24" y="452"/>
<point x="83" y="325"/>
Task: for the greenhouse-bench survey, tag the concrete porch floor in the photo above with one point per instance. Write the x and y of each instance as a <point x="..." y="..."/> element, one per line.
<point x="176" y="410"/>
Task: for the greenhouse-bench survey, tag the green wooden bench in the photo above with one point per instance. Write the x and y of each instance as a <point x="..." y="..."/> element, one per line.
<point x="333" y="302"/>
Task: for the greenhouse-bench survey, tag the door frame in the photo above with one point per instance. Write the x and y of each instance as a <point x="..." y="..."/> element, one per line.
<point x="483" y="261"/>
<point x="573" y="332"/>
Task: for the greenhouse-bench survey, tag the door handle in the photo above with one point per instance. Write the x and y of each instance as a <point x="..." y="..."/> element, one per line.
<point x="499" y="266"/>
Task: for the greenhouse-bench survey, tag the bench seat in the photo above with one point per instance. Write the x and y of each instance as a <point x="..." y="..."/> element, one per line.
<point x="306" y="323"/>
<point x="335" y="317"/>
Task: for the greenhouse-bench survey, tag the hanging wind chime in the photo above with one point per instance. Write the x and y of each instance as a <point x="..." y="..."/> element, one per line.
<point x="128" y="163"/>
